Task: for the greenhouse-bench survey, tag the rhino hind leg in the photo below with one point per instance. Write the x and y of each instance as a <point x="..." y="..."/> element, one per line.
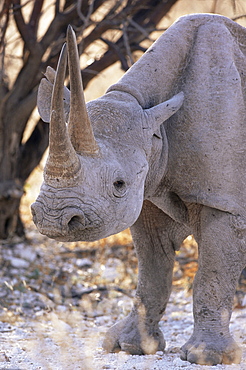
<point x="220" y="237"/>
<point x="155" y="237"/>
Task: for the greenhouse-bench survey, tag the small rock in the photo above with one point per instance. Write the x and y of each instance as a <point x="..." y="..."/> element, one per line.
<point x="102" y="320"/>
<point x="4" y="357"/>
<point x="5" y="327"/>
<point x="244" y="301"/>
<point x="83" y="262"/>
<point x="178" y="362"/>
<point x="19" y="262"/>
<point x="61" y="308"/>
<point x="59" y="325"/>
<point x="27" y="253"/>
<point x="114" y="269"/>
<point x="173" y="349"/>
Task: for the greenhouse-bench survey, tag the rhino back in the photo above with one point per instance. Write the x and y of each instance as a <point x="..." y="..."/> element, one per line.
<point x="205" y="57"/>
<point x="207" y="137"/>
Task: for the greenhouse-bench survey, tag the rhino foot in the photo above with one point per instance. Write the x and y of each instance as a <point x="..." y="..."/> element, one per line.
<point x="211" y="350"/>
<point x="130" y="336"/>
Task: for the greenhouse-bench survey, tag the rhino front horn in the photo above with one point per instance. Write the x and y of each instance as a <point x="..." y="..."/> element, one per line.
<point x="79" y="125"/>
<point x="63" y="165"/>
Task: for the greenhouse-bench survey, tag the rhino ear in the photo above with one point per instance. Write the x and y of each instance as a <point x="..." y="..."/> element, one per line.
<point x="45" y="93"/>
<point x="161" y="112"/>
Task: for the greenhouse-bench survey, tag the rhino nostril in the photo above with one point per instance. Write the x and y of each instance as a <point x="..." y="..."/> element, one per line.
<point x="76" y="221"/>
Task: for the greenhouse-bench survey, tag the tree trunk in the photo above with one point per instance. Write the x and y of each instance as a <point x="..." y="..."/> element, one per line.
<point x="10" y="186"/>
<point x="10" y="222"/>
<point x="17" y="161"/>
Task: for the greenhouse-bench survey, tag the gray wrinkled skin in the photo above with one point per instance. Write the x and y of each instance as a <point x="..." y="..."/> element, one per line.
<point x="167" y="180"/>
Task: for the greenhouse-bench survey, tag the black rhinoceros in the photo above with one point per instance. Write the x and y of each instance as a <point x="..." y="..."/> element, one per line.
<point x="162" y="152"/>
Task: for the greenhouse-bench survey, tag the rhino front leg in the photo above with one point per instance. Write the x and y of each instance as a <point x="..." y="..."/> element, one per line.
<point x="155" y="238"/>
<point x="221" y="242"/>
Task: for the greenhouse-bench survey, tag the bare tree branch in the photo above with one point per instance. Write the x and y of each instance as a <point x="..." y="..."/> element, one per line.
<point x="4" y="20"/>
<point x="36" y="13"/>
<point x="84" y="18"/>
<point x="27" y="36"/>
<point x="147" y="15"/>
<point x="127" y="44"/>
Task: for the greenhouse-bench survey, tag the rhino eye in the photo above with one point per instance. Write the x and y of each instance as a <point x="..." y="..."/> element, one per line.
<point x="119" y="184"/>
<point x="119" y="188"/>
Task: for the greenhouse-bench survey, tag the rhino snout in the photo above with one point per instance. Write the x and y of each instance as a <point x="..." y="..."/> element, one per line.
<point x="52" y="225"/>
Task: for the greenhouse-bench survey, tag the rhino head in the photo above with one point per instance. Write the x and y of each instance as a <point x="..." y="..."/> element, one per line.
<point x="94" y="177"/>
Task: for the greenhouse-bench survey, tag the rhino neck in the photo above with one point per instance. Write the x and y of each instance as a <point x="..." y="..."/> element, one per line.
<point x="155" y="77"/>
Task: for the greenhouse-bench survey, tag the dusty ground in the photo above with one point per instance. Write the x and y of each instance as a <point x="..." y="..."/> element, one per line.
<point x="57" y="300"/>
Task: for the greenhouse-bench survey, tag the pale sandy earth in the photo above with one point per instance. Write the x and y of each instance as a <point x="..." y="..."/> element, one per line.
<point x="51" y="343"/>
